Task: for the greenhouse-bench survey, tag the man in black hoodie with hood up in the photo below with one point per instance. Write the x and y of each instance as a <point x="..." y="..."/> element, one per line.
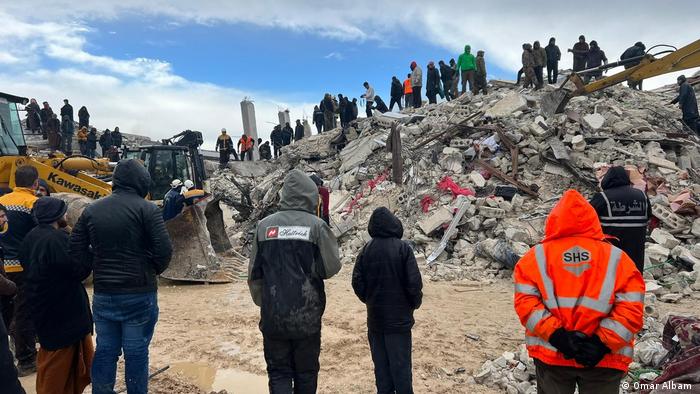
<point x="123" y="237"/>
<point x="624" y="212"/>
<point x="387" y="279"/>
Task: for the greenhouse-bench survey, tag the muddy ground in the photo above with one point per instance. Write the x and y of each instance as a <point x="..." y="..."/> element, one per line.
<point x="209" y="336"/>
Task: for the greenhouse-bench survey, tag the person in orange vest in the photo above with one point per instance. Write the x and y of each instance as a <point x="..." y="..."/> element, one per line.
<point x="408" y="91"/>
<point x="245" y="146"/>
<point x="581" y="301"/>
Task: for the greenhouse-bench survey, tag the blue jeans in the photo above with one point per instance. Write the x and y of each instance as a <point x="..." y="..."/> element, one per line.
<point x="123" y="321"/>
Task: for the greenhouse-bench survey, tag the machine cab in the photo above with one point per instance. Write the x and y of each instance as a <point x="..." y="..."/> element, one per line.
<point x="164" y="163"/>
<point x="11" y="136"/>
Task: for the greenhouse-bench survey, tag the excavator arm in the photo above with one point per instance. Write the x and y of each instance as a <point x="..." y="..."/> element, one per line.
<point x="680" y="59"/>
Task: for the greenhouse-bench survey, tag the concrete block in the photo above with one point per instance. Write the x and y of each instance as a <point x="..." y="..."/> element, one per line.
<point x="450" y="151"/>
<point x="460" y="143"/>
<point x="489" y="212"/>
<point x="661" y="162"/>
<point x="664" y="238"/>
<point x="671" y="298"/>
<point x="669" y="219"/>
<point x="578" y="143"/>
<point x="512" y="102"/>
<point x="474" y="223"/>
<point x="696" y="227"/>
<point x="657" y="253"/>
<point x="594" y="121"/>
<point x="538" y="131"/>
<point x="435" y="221"/>
<point x="477" y="179"/>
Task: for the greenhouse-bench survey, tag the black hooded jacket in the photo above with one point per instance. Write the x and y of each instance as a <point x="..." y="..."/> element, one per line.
<point x="123" y="235"/>
<point x="386" y="276"/>
<point x="624" y="212"/>
<point x="60" y="308"/>
<point x="396" y="89"/>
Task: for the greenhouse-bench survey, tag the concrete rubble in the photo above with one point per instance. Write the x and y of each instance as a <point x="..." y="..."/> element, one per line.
<point x="511" y="163"/>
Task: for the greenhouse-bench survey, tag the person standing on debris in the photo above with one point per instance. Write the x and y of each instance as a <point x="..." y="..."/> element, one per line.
<point x="224" y="145"/>
<point x="355" y="110"/>
<point x="8" y="372"/>
<point x="581" y="301"/>
<point x="83" y="117"/>
<point x="67" y="109"/>
<point x="33" y="118"/>
<point x="246" y="144"/>
<point x="298" y="131"/>
<point x="106" y="142"/>
<point x="173" y="201"/>
<point x="369" y="98"/>
<point x="466" y="65"/>
<point x="91" y="143"/>
<point x="635" y="51"/>
<point x="276" y="138"/>
<point x="688" y="103"/>
<point x="455" y="79"/>
<point x="416" y="84"/>
<point x="350" y="110"/>
<point x="580" y="52"/>
<point x="117" y="138"/>
<point x="396" y="93"/>
<point x="446" y="75"/>
<point x="287" y="134"/>
<point x="67" y="132"/>
<point x="265" y="152"/>
<point x="17" y="312"/>
<point x="529" y="67"/>
<point x="480" y="78"/>
<point x="386" y="278"/>
<point x="595" y="58"/>
<point x="328" y="108"/>
<point x="293" y="252"/>
<point x="323" y="210"/>
<point x="53" y="133"/>
<point x="540" y="55"/>
<point x="624" y="213"/>
<point x="45" y="113"/>
<point x="125" y="267"/>
<point x="408" y="92"/>
<point x="553" y="57"/>
<point x="318" y="119"/>
<point x="82" y="140"/>
<point x="60" y="304"/>
<point x="432" y="83"/>
<point x="342" y="104"/>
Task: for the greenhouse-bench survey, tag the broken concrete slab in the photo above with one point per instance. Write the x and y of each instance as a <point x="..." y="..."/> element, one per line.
<point x="664" y="238"/>
<point x="594" y="121"/>
<point x="663" y="163"/>
<point x="489" y="212"/>
<point x="512" y="102"/>
<point x="657" y="254"/>
<point x="435" y="221"/>
<point x="477" y="179"/>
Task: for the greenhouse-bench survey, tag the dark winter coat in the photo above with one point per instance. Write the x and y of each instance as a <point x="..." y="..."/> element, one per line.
<point x="67" y="127"/>
<point x="624" y="212"/>
<point x="553" y="54"/>
<point x="386" y="276"/>
<point x="173" y="202"/>
<point x="83" y="117"/>
<point x="59" y="303"/>
<point x="91" y="141"/>
<point x="122" y="236"/>
<point x="276" y="136"/>
<point x="446" y="74"/>
<point x="633" y="51"/>
<point x="396" y="89"/>
<point x="53" y="126"/>
<point x="287" y="134"/>
<point x="33" y="118"/>
<point x="67" y="110"/>
<point x="687" y="100"/>
<point x="380" y="105"/>
<point x="117" y="138"/>
<point x="298" y="132"/>
<point x="327" y="105"/>
<point x="106" y="141"/>
<point x="432" y="84"/>
<point x="45" y="114"/>
<point x="293" y="252"/>
<point x="350" y="112"/>
<point x="595" y="57"/>
<point x="265" y="152"/>
<point x="318" y="117"/>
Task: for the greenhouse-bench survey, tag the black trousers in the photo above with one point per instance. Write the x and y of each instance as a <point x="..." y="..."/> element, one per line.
<point x="368" y="108"/>
<point x="391" y="354"/>
<point x="395" y="100"/>
<point x="224" y="156"/>
<point x="16" y="312"/>
<point x="417" y="99"/>
<point x="553" y="379"/>
<point x="552" y="72"/>
<point x="8" y="372"/>
<point x="292" y="365"/>
<point x="539" y="74"/>
<point x="319" y="127"/>
<point x="692" y="123"/>
<point x="277" y="149"/>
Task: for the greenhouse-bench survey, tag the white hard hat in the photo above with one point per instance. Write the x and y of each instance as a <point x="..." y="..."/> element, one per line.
<point x="189" y="184"/>
<point x="223" y="129"/>
<point x="175" y="183"/>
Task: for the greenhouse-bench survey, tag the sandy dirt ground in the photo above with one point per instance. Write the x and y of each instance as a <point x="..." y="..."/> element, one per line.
<point x="214" y="328"/>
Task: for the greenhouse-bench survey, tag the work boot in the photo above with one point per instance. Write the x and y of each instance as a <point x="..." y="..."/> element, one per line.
<point x="26" y="369"/>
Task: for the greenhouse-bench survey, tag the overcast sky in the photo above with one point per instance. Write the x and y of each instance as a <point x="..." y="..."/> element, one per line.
<point x="157" y="67"/>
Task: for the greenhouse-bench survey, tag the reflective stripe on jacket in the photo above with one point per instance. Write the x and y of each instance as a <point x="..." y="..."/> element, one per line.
<point x="575" y="280"/>
<point x="246" y="143"/>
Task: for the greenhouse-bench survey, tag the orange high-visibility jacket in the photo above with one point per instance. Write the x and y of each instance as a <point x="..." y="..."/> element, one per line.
<point x="575" y="280"/>
<point x="246" y="143"/>
<point x="407" y="87"/>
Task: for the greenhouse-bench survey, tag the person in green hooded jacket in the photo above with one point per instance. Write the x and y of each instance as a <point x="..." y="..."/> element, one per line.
<point x="466" y="65"/>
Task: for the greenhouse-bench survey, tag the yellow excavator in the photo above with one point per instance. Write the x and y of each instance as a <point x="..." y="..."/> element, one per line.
<point x="198" y="233"/>
<point x="649" y="66"/>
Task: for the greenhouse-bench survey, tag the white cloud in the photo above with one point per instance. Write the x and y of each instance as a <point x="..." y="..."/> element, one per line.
<point x="334" y="56"/>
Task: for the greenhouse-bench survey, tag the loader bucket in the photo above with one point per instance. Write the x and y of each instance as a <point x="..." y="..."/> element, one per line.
<point x="194" y="254"/>
<point x="554" y="102"/>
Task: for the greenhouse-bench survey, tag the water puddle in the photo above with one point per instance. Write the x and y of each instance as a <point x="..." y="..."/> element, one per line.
<point x="209" y="378"/>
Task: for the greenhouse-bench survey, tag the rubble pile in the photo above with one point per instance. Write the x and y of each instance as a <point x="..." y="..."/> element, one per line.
<point x="481" y="173"/>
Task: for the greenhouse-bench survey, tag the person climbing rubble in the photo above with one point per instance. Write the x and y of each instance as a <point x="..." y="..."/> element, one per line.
<point x="595" y="58"/>
<point x="688" y="103"/>
<point x="368" y="95"/>
<point x="416" y="84"/>
<point x="624" y="213"/>
<point x="386" y="278"/>
<point x="581" y="301"/>
<point x="636" y="50"/>
<point x="293" y="252"/>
